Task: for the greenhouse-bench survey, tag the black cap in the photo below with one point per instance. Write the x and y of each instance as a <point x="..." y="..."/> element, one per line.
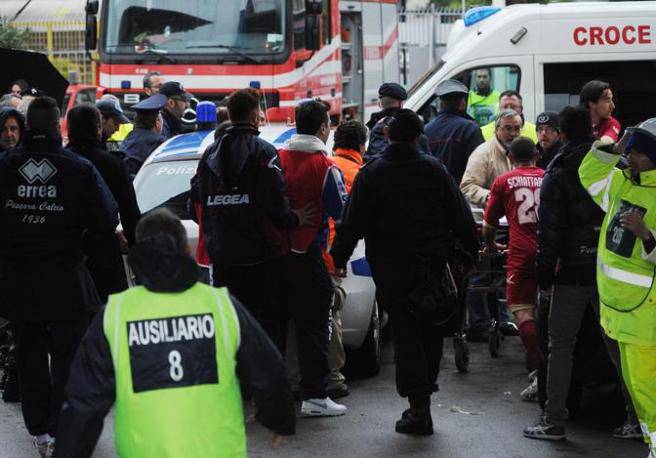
<point x="173" y="89"/>
<point x="112" y="109"/>
<point x="548" y="118"/>
<point x="447" y="87"/>
<point x="393" y="90"/>
<point x="153" y="103"/>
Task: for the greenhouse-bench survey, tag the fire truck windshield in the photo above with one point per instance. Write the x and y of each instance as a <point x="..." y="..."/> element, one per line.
<point x="234" y="27"/>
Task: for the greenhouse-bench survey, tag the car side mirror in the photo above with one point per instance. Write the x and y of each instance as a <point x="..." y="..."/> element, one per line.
<point x="313" y="32"/>
<point x="91" y="33"/>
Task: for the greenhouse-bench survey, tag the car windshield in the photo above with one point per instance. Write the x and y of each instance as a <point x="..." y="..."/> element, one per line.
<point x="195" y="26"/>
<point x="165" y="184"/>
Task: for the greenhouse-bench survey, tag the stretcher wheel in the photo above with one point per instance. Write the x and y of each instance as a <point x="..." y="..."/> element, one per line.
<point x="461" y="354"/>
<point x="494" y="342"/>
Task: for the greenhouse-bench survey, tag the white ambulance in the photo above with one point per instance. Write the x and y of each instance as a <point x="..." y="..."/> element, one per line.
<point x="548" y="52"/>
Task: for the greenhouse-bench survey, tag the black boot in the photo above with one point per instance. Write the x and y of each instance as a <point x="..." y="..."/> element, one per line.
<point x="417" y="419"/>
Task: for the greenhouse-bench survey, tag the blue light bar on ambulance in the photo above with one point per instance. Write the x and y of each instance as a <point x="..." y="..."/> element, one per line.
<point x="480" y="13"/>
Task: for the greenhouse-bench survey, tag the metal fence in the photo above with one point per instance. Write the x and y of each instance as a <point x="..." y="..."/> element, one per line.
<point x="423" y="35"/>
<point x="63" y="42"/>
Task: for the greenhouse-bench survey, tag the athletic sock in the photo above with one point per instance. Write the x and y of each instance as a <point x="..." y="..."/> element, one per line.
<point x="528" y="334"/>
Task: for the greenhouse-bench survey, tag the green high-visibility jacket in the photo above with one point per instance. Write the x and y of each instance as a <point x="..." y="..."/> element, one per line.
<point x="625" y="271"/>
<point x="174" y="357"/>
<point x="483" y="108"/>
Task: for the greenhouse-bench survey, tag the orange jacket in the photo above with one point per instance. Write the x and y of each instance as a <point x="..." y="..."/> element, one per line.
<point x="348" y="162"/>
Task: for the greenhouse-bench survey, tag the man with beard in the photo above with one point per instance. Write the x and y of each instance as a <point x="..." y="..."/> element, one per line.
<point x="548" y="130"/>
<point x="177" y="101"/>
<point x="597" y="97"/>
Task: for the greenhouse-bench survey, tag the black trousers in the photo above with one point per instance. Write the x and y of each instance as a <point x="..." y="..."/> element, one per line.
<point x="417" y="346"/>
<point x="308" y="293"/>
<point x="542" y="325"/>
<point x="259" y="289"/>
<point x="42" y="381"/>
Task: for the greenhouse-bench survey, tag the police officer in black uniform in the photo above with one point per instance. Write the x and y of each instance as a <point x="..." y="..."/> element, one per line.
<point x="49" y="198"/>
<point x="391" y="97"/>
<point x="409" y="211"/>
<point x="453" y="135"/>
<point x="147" y="133"/>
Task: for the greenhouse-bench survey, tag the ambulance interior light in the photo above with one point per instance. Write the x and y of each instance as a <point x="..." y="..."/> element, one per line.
<point x="476" y="15"/>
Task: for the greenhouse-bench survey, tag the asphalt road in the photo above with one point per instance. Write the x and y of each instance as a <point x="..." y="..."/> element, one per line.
<point x="478" y="414"/>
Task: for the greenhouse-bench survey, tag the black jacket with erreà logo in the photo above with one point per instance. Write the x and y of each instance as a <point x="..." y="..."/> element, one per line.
<point x="49" y="198"/>
<point x="242" y="191"/>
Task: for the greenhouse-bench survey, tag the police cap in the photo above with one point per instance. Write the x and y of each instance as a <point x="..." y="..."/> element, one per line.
<point x="393" y="90"/>
<point x="174" y="89"/>
<point x="153" y="103"/>
<point x="451" y="86"/>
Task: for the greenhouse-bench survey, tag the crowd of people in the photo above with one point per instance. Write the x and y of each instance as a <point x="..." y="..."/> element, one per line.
<point x="577" y="199"/>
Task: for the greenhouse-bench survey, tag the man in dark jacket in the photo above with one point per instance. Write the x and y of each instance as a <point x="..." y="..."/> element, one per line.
<point x="245" y="213"/>
<point x="547" y="126"/>
<point x="163" y="265"/>
<point x="569" y="225"/>
<point x="147" y="133"/>
<point x="453" y="135"/>
<point x="409" y="211"/>
<point x="49" y="197"/>
<point x="12" y="126"/>
<point x="391" y="97"/>
<point x="104" y="257"/>
<point x="177" y="101"/>
<point x="112" y="117"/>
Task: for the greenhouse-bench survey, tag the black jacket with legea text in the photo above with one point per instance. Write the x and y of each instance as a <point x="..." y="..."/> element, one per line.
<point x="245" y="210"/>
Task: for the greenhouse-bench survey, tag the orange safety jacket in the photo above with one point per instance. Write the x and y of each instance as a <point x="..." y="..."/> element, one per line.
<point x="348" y="161"/>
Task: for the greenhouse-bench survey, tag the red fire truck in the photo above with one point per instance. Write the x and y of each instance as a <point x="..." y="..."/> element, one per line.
<point x="339" y="50"/>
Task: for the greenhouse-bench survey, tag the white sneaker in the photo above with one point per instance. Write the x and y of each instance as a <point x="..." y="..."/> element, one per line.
<point x="530" y="393"/>
<point x="322" y="408"/>
<point x="45" y="449"/>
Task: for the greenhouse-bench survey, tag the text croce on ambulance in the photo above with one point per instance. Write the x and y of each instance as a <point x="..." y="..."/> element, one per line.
<point x="292" y="50"/>
<point x="548" y="52"/>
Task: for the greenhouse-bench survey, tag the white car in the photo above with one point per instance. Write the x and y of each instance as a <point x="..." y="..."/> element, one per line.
<point x="164" y="181"/>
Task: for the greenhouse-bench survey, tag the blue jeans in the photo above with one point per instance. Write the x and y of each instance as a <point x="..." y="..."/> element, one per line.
<point x="478" y="304"/>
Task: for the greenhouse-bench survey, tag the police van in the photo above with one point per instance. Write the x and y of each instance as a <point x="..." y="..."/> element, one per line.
<point x="548" y="52"/>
